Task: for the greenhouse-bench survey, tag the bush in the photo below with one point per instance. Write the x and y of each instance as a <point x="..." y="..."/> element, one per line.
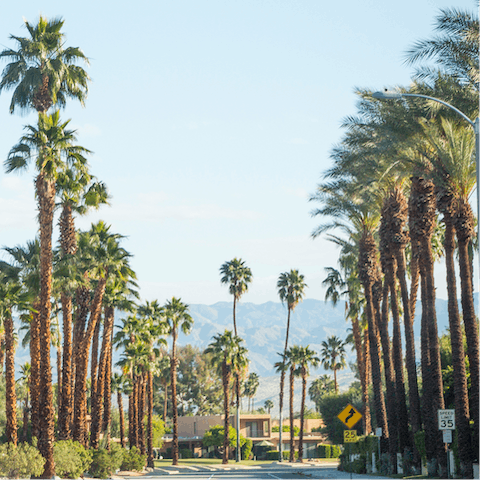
<point x="71" y="459"/>
<point x="246" y="449"/>
<point x="335" y="451"/>
<point x="23" y="461"/>
<point x="324" y="451"/>
<point x="133" y="460"/>
<point x="272" y="455"/>
<point x="105" y="463"/>
<point x="186" y="453"/>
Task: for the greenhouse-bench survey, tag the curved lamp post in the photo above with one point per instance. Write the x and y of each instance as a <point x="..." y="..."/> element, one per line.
<point x="386" y="95"/>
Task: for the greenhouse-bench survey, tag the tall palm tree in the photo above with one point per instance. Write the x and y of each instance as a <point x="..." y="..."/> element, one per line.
<point x="223" y="349"/>
<point x="237" y="276"/>
<point x="120" y="385"/>
<point x="101" y="258"/>
<point x="306" y="359"/>
<point x="42" y="71"/>
<point x="320" y="387"/>
<point x="333" y="356"/>
<point x="176" y="317"/>
<point x="268" y="405"/>
<point x="291" y="288"/>
<point x="51" y="147"/>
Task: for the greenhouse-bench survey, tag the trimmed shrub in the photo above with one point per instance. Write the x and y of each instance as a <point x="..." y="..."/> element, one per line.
<point x="23" y="461"/>
<point x="335" y="451"/>
<point x="324" y="451"/>
<point x="272" y="455"/>
<point x="186" y="453"/>
<point x="72" y="459"/>
<point x="133" y="460"/>
<point x="105" y="463"/>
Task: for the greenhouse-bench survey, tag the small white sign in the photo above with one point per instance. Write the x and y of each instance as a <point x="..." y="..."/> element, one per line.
<point x="446" y="419"/>
<point x="378" y="432"/>
<point x="447" y="436"/>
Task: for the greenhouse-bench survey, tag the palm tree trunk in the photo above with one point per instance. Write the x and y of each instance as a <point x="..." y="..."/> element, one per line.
<point x="150" y="426"/>
<point x="107" y="403"/>
<point x="141" y="413"/>
<point x="361" y="362"/>
<point x="292" y="439"/>
<point x="65" y="411"/>
<point x="422" y="218"/>
<point x="59" y="377"/>
<point x="45" y="190"/>
<point x="464" y="224"/>
<point x="94" y="363"/>
<point x="165" y="402"/>
<point x="25" y="419"/>
<point x="98" y="397"/>
<point x="462" y="414"/>
<point x="391" y="401"/>
<point x="122" y="420"/>
<point x="173" y="369"/>
<point x="280" y="406"/>
<point x="226" y="406"/>
<point x="302" y="414"/>
<point x="402" y="413"/>
<point x="234" y="319"/>
<point x="132" y="415"/>
<point x="10" y="394"/>
<point x="35" y="371"/>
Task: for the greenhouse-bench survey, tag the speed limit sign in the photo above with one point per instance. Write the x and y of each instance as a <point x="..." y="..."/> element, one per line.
<point x="446" y="419"/>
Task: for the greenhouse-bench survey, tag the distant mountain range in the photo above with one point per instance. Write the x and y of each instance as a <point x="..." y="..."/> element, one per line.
<point x="263" y="329"/>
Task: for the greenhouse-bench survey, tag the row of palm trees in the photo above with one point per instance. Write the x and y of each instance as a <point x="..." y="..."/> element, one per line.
<point x="398" y="165"/>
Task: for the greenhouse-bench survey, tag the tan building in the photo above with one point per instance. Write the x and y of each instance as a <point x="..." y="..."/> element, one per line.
<point x="256" y="427"/>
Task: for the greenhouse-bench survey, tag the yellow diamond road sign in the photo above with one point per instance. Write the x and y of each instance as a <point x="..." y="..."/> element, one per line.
<point x="349" y="416"/>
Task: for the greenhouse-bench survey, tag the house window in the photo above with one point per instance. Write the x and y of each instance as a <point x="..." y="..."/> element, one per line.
<point x="252" y="429"/>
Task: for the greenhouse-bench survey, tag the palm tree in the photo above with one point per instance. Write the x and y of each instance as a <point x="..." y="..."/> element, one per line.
<point x="291" y="288"/>
<point x="306" y="359"/>
<point x="320" y="387"/>
<point x="333" y="356"/>
<point x="291" y="360"/>
<point x="176" y="316"/>
<point x="11" y="296"/>
<point x="223" y="349"/>
<point x="42" y="72"/>
<point x="237" y="275"/>
<point x="121" y="385"/>
<point x="102" y="257"/>
<point x="268" y="405"/>
<point x="51" y="147"/>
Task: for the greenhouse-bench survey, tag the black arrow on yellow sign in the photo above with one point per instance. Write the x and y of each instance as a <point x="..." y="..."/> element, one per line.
<point x="349" y="416"/>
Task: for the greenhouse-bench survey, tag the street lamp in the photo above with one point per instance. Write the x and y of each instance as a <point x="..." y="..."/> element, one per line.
<point x="386" y="95"/>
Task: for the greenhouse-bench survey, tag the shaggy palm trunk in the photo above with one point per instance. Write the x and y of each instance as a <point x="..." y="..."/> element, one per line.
<point x="422" y="219"/>
<point x="107" y="402"/>
<point x="367" y="266"/>
<point x="68" y="246"/>
<point x="302" y="414"/>
<point x="402" y="413"/>
<point x="94" y="363"/>
<point x="25" y="418"/>
<point x="10" y="394"/>
<point x="81" y="365"/>
<point x="173" y="369"/>
<point x="141" y="414"/>
<point x="226" y="373"/>
<point x="98" y="396"/>
<point x="35" y="371"/>
<point x="150" y="425"/>
<point x="292" y="432"/>
<point x="391" y="401"/>
<point x="45" y="192"/>
<point x="462" y="414"/>
<point x="398" y="210"/>
<point x="465" y="228"/>
<point x="361" y="362"/>
<point x="122" y="420"/>
<point x="165" y="401"/>
<point x="66" y="404"/>
<point x="132" y="415"/>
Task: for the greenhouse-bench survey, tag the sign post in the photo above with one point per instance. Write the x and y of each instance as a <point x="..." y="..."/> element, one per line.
<point x="349" y="416"/>
<point x="446" y="423"/>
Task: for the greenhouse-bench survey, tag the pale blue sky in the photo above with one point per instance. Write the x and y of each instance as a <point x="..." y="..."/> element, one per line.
<point x="211" y="123"/>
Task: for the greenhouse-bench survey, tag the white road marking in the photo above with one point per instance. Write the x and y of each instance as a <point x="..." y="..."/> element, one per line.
<point x="274" y="476"/>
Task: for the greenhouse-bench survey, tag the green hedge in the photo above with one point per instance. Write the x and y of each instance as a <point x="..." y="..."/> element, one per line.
<point x="273" y="455"/>
<point x="329" y="451"/>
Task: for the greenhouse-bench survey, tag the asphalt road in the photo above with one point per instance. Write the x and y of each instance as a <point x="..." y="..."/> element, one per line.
<point x="270" y="471"/>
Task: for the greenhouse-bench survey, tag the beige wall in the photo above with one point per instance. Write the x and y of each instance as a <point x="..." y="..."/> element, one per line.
<point x="308" y="424"/>
<point x="198" y="425"/>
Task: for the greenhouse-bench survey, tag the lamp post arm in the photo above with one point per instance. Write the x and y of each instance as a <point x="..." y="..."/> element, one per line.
<point x="443" y="103"/>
